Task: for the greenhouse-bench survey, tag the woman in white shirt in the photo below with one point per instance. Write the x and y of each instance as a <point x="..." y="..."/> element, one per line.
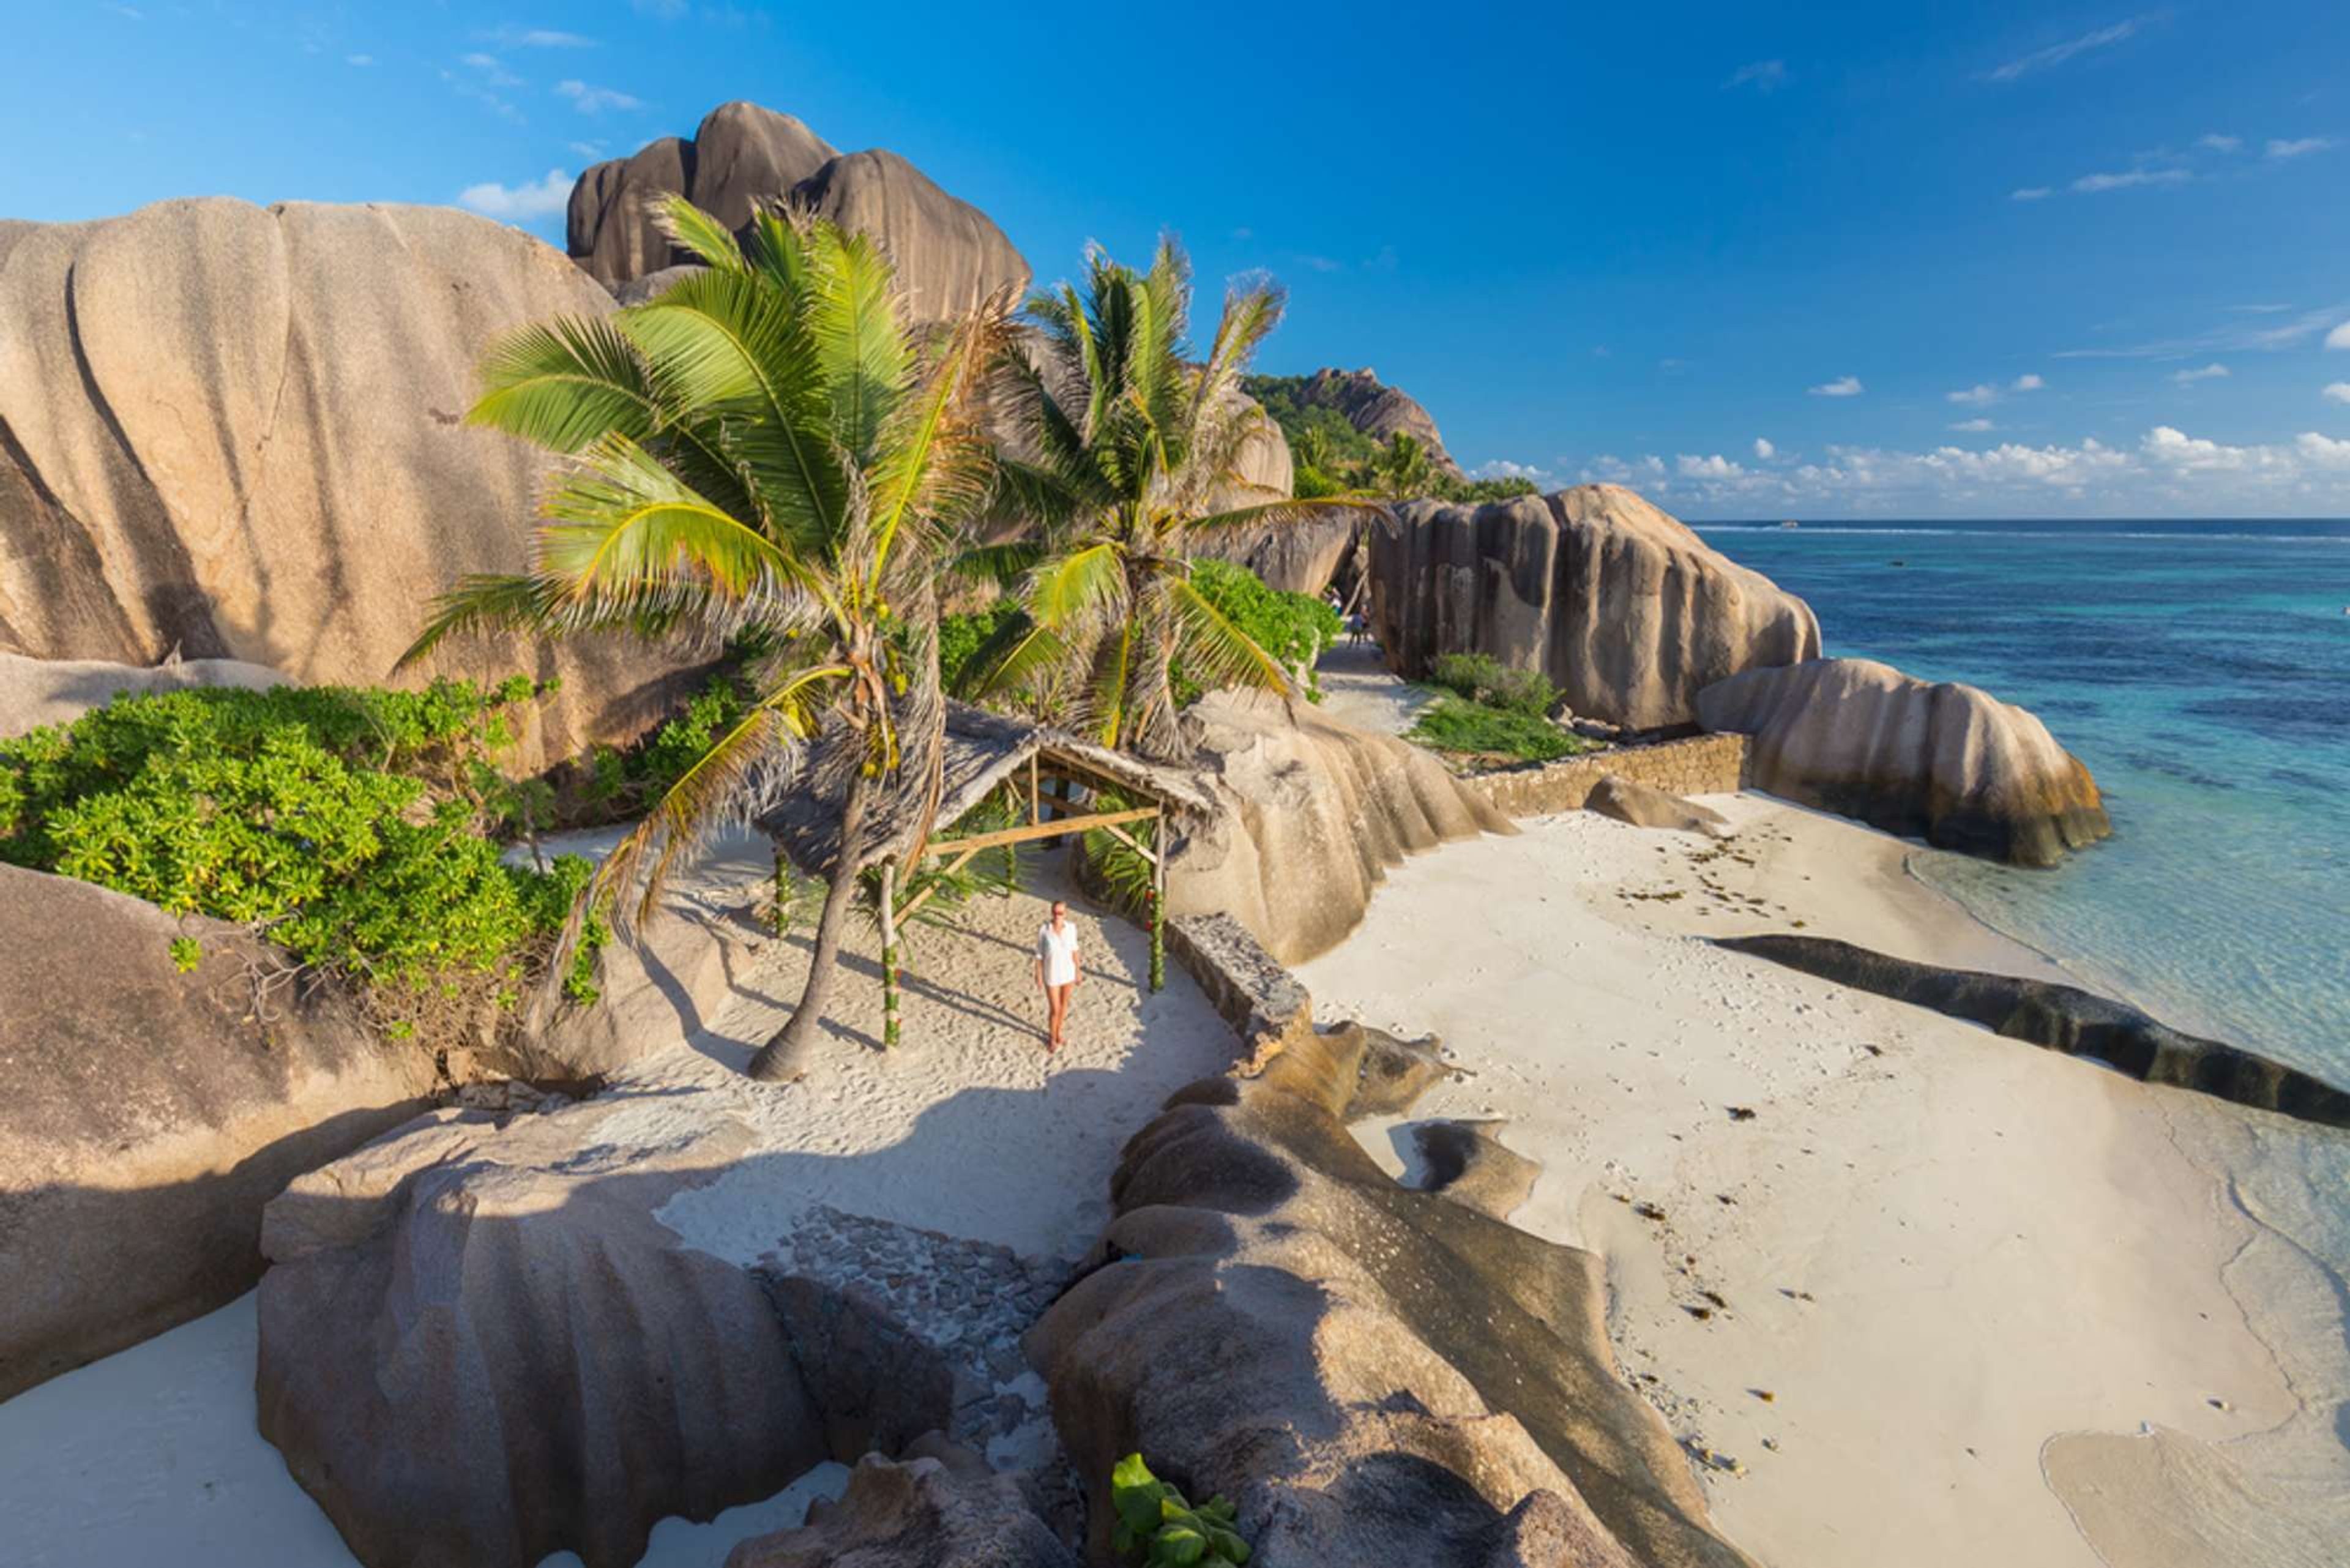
<point x="1056" y="969"/>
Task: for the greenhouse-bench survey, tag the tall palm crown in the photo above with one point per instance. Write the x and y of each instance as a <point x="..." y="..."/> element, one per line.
<point x="1132" y="449"/>
<point x="764" y="454"/>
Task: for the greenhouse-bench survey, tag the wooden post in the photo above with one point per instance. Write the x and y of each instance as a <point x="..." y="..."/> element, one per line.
<point x="782" y="892"/>
<point x="1035" y="809"/>
<point x="1159" y="904"/>
<point x="890" y="954"/>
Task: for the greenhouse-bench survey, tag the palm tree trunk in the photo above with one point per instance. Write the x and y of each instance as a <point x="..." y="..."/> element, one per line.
<point x="784" y="1058"/>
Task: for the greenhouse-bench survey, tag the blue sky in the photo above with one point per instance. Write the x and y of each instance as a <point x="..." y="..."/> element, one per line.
<point x="2041" y="260"/>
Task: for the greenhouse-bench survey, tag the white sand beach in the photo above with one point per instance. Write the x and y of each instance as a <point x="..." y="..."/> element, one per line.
<point x="1882" y="1260"/>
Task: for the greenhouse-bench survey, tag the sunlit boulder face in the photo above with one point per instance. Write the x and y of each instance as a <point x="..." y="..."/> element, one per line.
<point x="238" y="433"/>
<point x="153" y="1110"/>
<point x="1627" y="610"/>
<point x="949" y="256"/>
<point x="1315" y="811"/>
<point x="1948" y="764"/>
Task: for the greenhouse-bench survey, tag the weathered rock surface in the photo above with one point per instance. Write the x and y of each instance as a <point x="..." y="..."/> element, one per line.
<point x="237" y="432"/>
<point x="36" y="691"/>
<point x="1629" y="801"/>
<point x="949" y="256"/>
<point x="151" y="1115"/>
<point x="478" y="1346"/>
<point x="1945" y="763"/>
<point x="2067" y="1019"/>
<point x="1378" y="411"/>
<point x="1372" y="1374"/>
<point x="1302" y="555"/>
<point x="1625" y="610"/>
<point x="1316" y="810"/>
<point x="939" y="1507"/>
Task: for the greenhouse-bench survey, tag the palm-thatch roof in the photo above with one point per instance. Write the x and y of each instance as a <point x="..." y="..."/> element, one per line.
<point x="983" y="751"/>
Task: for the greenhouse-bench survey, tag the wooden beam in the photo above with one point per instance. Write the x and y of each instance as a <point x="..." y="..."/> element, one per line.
<point x="1055" y="829"/>
<point x="906" y="911"/>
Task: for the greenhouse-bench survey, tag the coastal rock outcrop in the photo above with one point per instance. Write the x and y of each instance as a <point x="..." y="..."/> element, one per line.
<point x="949" y="256"/>
<point x="1376" y="410"/>
<point x="1315" y="812"/>
<point x="1372" y="1373"/>
<point x="1627" y="610"/>
<point x="153" y="1113"/>
<point x="2067" y="1019"/>
<point x="1948" y="764"/>
<point x="1302" y="555"/>
<point x="939" y="1506"/>
<point x="1634" y="803"/>
<point x="479" y="1345"/>
<point x="237" y="432"/>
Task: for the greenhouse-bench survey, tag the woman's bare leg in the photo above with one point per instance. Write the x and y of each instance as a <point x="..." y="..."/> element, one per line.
<point x="1059" y="995"/>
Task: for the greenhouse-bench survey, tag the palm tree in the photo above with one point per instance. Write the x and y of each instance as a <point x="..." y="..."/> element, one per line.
<point x="1135" y="449"/>
<point x="765" y="456"/>
<point x="1403" y="469"/>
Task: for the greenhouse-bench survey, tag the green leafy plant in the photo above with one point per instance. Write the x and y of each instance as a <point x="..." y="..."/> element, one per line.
<point x="1294" y="628"/>
<point x="1156" y="1528"/>
<point x="350" y="826"/>
<point x="1472" y="729"/>
<point x="1332" y="457"/>
<point x="1486" y="680"/>
<point x="186" y="954"/>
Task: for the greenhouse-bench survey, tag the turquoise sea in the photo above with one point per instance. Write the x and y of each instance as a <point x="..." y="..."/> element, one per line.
<point x="2202" y="670"/>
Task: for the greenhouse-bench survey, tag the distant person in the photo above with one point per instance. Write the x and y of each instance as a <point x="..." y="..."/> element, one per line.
<point x="1058" y="970"/>
<point x="1359" y="626"/>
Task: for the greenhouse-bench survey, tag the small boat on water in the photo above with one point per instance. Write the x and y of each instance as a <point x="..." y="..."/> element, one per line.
<point x="1790" y="523"/>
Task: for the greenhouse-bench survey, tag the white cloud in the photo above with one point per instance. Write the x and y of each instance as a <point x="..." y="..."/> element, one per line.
<point x="519" y="203"/>
<point x="1714" y="467"/>
<point x="2131" y="179"/>
<point x="359" y="60"/>
<point x="594" y="99"/>
<point x="2301" y="148"/>
<point x="2339" y="337"/>
<point x="1981" y="392"/>
<point x="2030" y="193"/>
<point x="2215" y="143"/>
<point x="1978" y="423"/>
<point x="1762" y="75"/>
<point x="1502" y="468"/>
<point x="2057" y="54"/>
<point x="2339" y="391"/>
<point x="1763" y="449"/>
<point x="2213" y="373"/>
<point x="2324" y="452"/>
<point x="539" y="39"/>
<point x="2241" y="337"/>
<point x="2027" y="382"/>
<point x="590" y="151"/>
<point x="1844" y="387"/>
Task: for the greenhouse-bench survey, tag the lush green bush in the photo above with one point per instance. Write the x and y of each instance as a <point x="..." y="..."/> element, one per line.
<point x="1156" y="1527"/>
<point x="961" y="636"/>
<point x="1454" y="724"/>
<point x="1294" y="628"/>
<point x="1486" y="680"/>
<point x="1331" y="456"/>
<point x="352" y="827"/>
<point x="622" y="784"/>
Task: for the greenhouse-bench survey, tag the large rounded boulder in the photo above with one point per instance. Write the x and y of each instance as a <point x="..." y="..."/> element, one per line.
<point x="1315" y="811"/>
<point x="949" y="254"/>
<point x="238" y="433"/>
<point x="1945" y="763"/>
<point x="1627" y="610"/>
<point x="157" y="1101"/>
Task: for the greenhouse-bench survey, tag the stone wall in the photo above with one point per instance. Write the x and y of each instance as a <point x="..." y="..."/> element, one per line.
<point x="1702" y="764"/>
<point x="1262" y="1000"/>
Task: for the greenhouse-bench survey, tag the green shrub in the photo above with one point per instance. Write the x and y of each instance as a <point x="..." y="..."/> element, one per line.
<point x="961" y="636"/>
<point x="1486" y="680"/>
<point x="1452" y="724"/>
<point x="352" y="827"/>
<point x="1156" y="1527"/>
<point x="1294" y="628"/>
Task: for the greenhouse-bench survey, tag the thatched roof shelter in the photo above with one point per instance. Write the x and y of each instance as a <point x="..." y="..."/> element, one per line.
<point x="983" y="752"/>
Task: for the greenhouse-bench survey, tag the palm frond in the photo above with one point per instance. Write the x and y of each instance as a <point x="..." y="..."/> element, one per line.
<point x="696" y="231"/>
<point x="1214" y="650"/>
<point x="854" y="320"/>
<point x="562" y="383"/>
<point x="624" y="522"/>
<point x="1082" y="584"/>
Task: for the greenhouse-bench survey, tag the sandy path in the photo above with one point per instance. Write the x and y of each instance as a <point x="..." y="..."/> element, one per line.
<point x="1933" y="1248"/>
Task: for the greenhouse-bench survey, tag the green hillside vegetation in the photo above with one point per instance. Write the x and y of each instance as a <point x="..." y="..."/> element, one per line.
<point x="1332" y="457"/>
